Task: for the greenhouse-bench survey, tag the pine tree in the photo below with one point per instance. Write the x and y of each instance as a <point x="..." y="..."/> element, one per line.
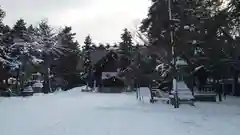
<point x="5" y="31"/>
<point x="31" y="30"/>
<point x="126" y="56"/>
<point x="19" y="50"/>
<point x="3" y="51"/>
<point x="126" y="43"/>
<point x="202" y="25"/>
<point x="87" y="58"/>
<point x="93" y="46"/>
<point x="7" y="36"/>
<point x="101" y="46"/>
<point x="50" y="48"/>
<point x="2" y="15"/>
<point x="108" y="46"/>
<point x="20" y="29"/>
<point x="125" y="48"/>
<point x="187" y="24"/>
<point x="70" y="57"/>
<point x="115" y="45"/>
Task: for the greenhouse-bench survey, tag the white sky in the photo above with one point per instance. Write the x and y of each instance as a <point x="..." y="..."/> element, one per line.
<point x="102" y="19"/>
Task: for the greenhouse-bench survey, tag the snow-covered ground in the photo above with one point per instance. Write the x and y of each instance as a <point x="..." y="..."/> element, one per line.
<point x="77" y="113"/>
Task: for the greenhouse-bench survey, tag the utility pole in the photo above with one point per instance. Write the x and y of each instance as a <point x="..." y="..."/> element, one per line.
<point x="176" y="103"/>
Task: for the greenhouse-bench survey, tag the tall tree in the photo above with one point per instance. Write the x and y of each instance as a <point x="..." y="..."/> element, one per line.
<point x="5" y="30"/>
<point x="31" y="30"/>
<point x="125" y="48"/>
<point x="203" y="25"/>
<point x="43" y="44"/>
<point x="70" y="57"/>
<point x="115" y="45"/>
<point x="101" y="46"/>
<point x="2" y="15"/>
<point x="108" y="46"/>
<point x="20" y="29"/>
<point x="87" y="59"/>
<point x="194" y="24"/>
<point x="126" y="56"/>
<point x="3" y="53"/>
<point x="51" y="47"/>
<point x="19" y="50"/>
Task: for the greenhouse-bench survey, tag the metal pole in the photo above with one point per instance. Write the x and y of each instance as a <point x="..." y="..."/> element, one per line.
<point x="176" y="104"/>
<point x="171" y="32"/>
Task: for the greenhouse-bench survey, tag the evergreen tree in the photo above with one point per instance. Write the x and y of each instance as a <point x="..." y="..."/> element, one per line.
<point x="202" y="25"/>
<point x="20" y="29"/>
<point x="87" y="58"/>
<point x="3" y="52"/>
<point x="70" y="57"/>
<point x="126" y="56"/>
<point x="31" y="30"/>
<point x="125" y="48"/>
<point x="190" y="21"/>
<point x="87" y="43"/>
<point x="108" y="46"/>
<point x="101" y="46"/>
<point x="19" y="50"/>
<point x="115" y="45"/>
<point x="93" y="46"/>
<point x="50" y="47"/>
<point x="2" y="15"/>
<point x="6" y="37"/>
<point x="5" y="31"/>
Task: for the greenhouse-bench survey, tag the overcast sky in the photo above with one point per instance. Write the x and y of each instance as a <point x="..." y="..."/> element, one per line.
<point x="102" y="19"/>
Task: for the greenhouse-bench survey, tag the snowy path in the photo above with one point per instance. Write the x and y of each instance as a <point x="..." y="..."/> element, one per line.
<point x="76" y="113"/>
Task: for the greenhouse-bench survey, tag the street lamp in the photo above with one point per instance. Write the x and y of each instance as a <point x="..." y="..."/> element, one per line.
<point x="176" y="103"/>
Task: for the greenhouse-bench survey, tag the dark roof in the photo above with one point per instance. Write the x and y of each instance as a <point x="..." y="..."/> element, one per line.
<point x="95" y="56"/>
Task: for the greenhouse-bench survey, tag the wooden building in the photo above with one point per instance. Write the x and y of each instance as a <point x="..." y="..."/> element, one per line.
<point x="105" y="74"/>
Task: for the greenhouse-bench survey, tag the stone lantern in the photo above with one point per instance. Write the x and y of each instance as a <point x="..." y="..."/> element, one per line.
<point x="28" y="91"/>
<point x="37" y="86"/>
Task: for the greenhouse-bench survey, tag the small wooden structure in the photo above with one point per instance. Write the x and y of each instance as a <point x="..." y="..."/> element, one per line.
<point x="205" y="93"/>
<point x="204" y="89"/>
<point x="105" y="75"/>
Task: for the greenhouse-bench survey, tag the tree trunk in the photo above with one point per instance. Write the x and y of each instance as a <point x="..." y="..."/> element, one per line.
<point x="87" y="84"/>
<point x="88" y="78"/>
<point x="235" y="83"/>
<point x="17" y="80"/>
<point x="47" y="85"/>
<point x="219" y="90"/>
<point x="22" y="70"/>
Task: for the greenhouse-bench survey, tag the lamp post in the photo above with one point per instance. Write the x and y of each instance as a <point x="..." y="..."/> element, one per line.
<point x="176" y="102"/>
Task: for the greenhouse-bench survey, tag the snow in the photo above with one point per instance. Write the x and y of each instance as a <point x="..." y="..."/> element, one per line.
<point x="36" y="60"/>
<point x="199" y="67"/>
<point x="28" y="89"/>
<point x="37" y="84"/>
<point x="144" y="92"/>
<point x="79" y="113"/>
<point x="183" y="91"/>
